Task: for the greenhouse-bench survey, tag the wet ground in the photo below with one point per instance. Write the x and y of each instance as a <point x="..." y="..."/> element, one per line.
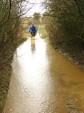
<point x="44" y="81"/>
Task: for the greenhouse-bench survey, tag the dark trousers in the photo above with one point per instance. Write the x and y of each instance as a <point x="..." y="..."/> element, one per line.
<point x="33" y="33"/>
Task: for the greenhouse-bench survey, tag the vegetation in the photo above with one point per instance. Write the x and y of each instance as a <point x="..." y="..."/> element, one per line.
<point x="66" y="26"/>
<point x="10" y="13"/>
<point x="64" y="20"/>
<point x="36" y="18"/>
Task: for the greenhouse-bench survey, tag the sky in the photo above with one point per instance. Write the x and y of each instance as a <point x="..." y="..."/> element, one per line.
<point x="32" y="6"/>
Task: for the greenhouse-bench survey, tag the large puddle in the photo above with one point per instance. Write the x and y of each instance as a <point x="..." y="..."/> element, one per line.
<point x="44" y="81"/>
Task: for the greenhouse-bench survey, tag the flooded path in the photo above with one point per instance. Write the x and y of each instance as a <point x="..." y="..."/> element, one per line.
<point x="44" y="81"/>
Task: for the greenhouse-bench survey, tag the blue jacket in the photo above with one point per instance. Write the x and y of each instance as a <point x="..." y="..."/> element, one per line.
<point x="32" y="29"/>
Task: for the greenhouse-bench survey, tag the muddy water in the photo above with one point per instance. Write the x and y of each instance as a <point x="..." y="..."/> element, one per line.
<point x="44" y="81"/>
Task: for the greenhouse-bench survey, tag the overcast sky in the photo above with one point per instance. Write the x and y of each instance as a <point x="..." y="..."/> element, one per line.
<point x="34" y="6"/>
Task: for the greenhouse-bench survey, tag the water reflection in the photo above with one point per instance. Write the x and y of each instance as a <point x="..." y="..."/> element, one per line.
<point x="31" y="81"/>
<point x="44" y="81"/>
<point x="33" y="44"/>
<point x="34" y="68"/>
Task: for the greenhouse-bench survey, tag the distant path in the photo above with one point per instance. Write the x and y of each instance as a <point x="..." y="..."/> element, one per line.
<point x="43" y="81"/>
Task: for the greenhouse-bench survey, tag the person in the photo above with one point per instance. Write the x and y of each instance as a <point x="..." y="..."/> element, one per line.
<point x="33" y="29"/>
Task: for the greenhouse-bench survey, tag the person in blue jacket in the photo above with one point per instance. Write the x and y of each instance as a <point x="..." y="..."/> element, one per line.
<point x="33" y="29"/>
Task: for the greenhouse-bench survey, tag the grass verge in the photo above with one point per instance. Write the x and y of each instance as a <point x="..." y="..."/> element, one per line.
<point x="5" y="69"/>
